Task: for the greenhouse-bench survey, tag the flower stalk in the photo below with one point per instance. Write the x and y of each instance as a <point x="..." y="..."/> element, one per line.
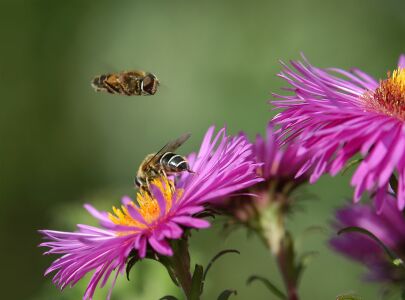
<point x="286" y="264"/>
<point x="180" y="263"/>
<point x="279" y="241"/>
<point x="263" y="207"/>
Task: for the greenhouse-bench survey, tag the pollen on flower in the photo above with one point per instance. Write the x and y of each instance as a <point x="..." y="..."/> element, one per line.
<point x="147" y="205"/>
<point x="122" y="217"/>
<point x="389" y="97"/>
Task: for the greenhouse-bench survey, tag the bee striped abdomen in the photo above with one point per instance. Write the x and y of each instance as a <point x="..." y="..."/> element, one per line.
<point x="98" y="82"/>
<point x="172" y="162"/>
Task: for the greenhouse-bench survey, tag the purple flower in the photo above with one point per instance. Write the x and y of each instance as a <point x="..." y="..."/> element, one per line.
<point x="278" y="162"/>
<point x="388" y="226"/>
<point x="337" y="114"/>
<point x="278" y="165"/>
<point x="222" y="166"/>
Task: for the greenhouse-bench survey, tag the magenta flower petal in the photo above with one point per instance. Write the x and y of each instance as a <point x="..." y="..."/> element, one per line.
<point x="337" y="114"/>
<point x="141" y="247"/>
<point x="280" y="162"/>
<point x="191" y="222"/>
<point x="219" y="169"/>
<point x="102" y="216"/>
<point x="223" y="165"/>
<point x="283" y="169"/>
<point x="401" y="62"/>
<point x="161" y="246"/>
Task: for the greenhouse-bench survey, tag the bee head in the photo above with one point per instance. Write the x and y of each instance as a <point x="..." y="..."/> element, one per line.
<point x="150" y="84"/>
<point x="138" y="182"/>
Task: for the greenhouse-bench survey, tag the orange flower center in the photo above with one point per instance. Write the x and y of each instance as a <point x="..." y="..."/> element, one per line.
<point x="389" y="97"/>
<point x="147" y="206"/>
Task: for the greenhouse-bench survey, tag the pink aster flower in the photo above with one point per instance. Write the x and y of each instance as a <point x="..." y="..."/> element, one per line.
<point x="263" y="207"/>
<point x="277" y="164"/>
<point x="337" y="114"/>
<point x="222" y="166"/>
<point x="388" y="226"/>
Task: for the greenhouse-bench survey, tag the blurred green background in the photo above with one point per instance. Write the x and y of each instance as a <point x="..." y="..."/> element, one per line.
<point x="62" y="144"/>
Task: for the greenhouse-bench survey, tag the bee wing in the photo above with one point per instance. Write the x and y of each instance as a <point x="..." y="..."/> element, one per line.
<point x="134" y="73"/>
<point x="169" y="147"/>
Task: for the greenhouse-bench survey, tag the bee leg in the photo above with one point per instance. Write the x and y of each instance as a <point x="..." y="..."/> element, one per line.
<point x="172" y="189"/>
<point x="171" y="184"/>
<point x="124" y="90"/>
<point x="141" y="88"/>
<point x="111" y="89"/>
<point x="147" y="188"/>
<point x="190" y="171"/>
<point x="123" y="87"/>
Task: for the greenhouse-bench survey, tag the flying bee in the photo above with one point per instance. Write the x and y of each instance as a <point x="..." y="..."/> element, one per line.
<point x="131" y="83"/>
<point x="162" y="163"/>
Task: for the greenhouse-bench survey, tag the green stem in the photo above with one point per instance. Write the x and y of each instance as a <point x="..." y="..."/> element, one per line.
<point x="272" y="226"/>
<point x="286" y="264"/>
<point x="180" y="263"/>
<point x="278" y="240"/>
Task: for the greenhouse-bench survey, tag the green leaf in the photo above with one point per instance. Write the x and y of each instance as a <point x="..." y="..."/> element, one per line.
<point x="196" y="284"/>
<point x="208" y="212"/>
<point x="168" y="297"/>
<point x="305" y="260"/>
<point x="221" y="253"/>
<point x="272" y="288"/>
<point x="395" y="260"/>
<point x="348" y="297"/>
<point x="403" y="295"/>
<point x="351" y="164"/>
<point x="309" y="233"/>
<point x="165" y="261"/>
<point x="226" y="294"/>
<point x="315" y="230"/>
<point x="131" y="262"/>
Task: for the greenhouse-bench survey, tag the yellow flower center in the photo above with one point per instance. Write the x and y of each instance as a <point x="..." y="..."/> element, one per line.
<point x="389" y="97"/>
<point x="147" y="206"/>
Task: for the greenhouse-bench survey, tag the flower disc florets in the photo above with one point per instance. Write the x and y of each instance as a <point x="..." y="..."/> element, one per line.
<point x="389" y="97"/>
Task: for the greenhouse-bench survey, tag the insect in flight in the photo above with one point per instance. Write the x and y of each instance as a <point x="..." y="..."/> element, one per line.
<point x="130" y="83"/>
<point x="162" y="163"/>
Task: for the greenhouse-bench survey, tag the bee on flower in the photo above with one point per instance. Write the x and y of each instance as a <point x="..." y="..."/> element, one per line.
<point x="158" y="216"/>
